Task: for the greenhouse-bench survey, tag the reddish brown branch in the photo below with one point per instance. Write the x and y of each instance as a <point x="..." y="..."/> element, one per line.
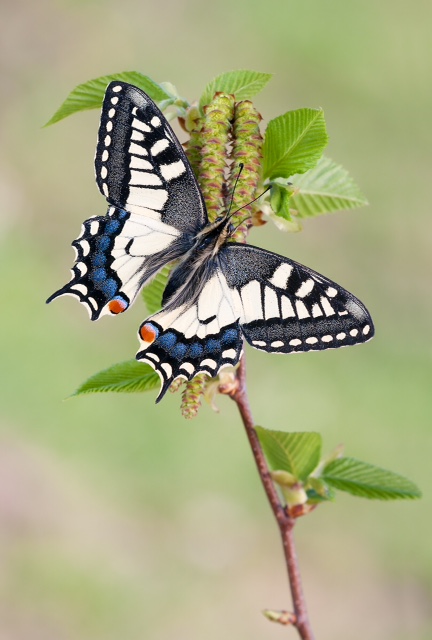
<point x="285" y="521"/>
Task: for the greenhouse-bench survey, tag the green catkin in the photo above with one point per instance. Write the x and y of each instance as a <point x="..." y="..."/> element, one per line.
<point x="192" y="394"/>
<point x="246" y="149"/>
<point x="215" y="135"/>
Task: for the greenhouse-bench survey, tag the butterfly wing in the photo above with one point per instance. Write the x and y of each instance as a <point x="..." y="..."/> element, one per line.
<point x="156" y="207"/>
<point x="202" y="337"/>
<point x="278" y="305"/>
<point x="286" y="307"/>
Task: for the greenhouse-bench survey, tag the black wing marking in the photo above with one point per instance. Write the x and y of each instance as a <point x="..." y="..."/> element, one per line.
<point x="141" y="166"/>
<point x="285" y="307"/>
<point x="157" y="206"/>
<point x="203" y="337"/>
<point x="115" y="255"/>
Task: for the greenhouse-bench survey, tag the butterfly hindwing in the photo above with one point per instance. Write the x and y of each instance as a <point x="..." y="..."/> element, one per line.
<point x="156" y="205"/>
<point x="201" y="337"/>
<point x="286" y="307"/>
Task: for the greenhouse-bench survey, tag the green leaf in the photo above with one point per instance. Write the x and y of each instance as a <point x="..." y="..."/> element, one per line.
<point x="295" y="452"/>
<point x="130" y="376"/>
<point x="326" y="188"/>
<point x="367" y="481"/>
<point x="294" y="143"/>
<point x="280" y="195"/>
<point x="89" y="95"/>
<point x="153" y="292"/>
<point x="243" y="84"/>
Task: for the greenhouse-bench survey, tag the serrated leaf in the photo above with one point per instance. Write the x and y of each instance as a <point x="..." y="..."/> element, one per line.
<point x="296" y="452"/>
<point x="367" y="481"/>
<point x="89" y="95"/>
<point x="130" y="376"/>
<point x="243" y="84"/>
<point x="153" y="292"/>
<point x="294" y="143"/>
<point x="325" y="188"/>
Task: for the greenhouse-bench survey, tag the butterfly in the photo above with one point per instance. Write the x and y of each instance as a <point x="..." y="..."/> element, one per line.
<point x="220" y="292"/>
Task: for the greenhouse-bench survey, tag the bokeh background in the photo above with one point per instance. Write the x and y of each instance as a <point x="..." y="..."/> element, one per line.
<point x="119" y="519"/>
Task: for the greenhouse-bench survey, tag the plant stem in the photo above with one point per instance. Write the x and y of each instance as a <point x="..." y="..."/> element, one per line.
<point x="285" y="521"/>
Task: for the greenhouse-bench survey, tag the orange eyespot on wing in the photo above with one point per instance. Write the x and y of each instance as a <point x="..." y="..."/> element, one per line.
<point x="117" y="305"/>
<point x="148" y="333"/>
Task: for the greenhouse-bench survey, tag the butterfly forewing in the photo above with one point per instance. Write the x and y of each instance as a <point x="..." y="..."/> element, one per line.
<point x="286" y="307"/>
<point x="140" y="165"/>
<point x="157" y="207"/>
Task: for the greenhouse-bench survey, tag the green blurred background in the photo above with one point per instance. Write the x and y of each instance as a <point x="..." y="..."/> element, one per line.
<point x="119" y="519"/>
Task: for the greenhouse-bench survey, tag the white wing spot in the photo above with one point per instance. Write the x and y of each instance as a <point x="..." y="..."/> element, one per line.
<point x="167" y="368"/>
<point x="311" y="340"/>
<point x="114" y="100"/>
<point x="159" y="146"/>
<point x="153" y="356"/>
<point x="251" y="301"/>
<point x="366" y="330"/>
<point x="281" y="275"/>
<point x="229" y="353"/>
<point x="105" y="155"/>
<point x="277" y="343"/>
<point x="104" y="173"/>
<point x="107" y="141"/>
<point x="81" y="288"/>
<point x="109" y="125"/>
<point x="149" y="198"/>
<point x="328" y="309"/>
<point x="305" y="288"/>
<point x="137" y="135"/>
<point x="295" y="343"/>
<point x="142" y="126"/>
<point x="144" y="178"/>
<point x="94" y="227"/>
<point x="155" y="121"/>
<point x="117" y="88"/>
<point x="343" y="313"/>
<point x="92" y="302"/>
<point x="327" y="338"/>
<point x="188" y="367"/>
<point x="140" y="163"/>
<point x="173" y="170"/>
<point x="208" y="362"/>
<point x="354" y="332"/>
<point x="302" y="312"/>
<point x="82" y="268"/>
<point x="105" y="189"/>
<point x="341" y="336"/>
<point x="259" y="343"/>
<point x="271" y="306"/>
<point x="316" y="311"/>
<point x="331" y="292"/>
<point x="287" y="308"/>
<point x="85" y="247"/>
<point x="137" y="149"/>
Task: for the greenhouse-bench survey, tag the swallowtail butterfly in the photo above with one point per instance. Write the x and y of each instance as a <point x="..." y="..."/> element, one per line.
<point x="220" y="291"/>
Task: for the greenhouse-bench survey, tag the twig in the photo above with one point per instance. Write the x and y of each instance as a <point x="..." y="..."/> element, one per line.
<point x="285" y="521"/>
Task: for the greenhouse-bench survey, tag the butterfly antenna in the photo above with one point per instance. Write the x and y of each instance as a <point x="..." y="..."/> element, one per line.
<point x="251" y="202"/>
<point x="241" y="167"/>
<point x="246" y="205"/>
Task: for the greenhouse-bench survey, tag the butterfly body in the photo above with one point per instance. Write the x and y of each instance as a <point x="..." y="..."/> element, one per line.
<point x="219" y="291"/>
